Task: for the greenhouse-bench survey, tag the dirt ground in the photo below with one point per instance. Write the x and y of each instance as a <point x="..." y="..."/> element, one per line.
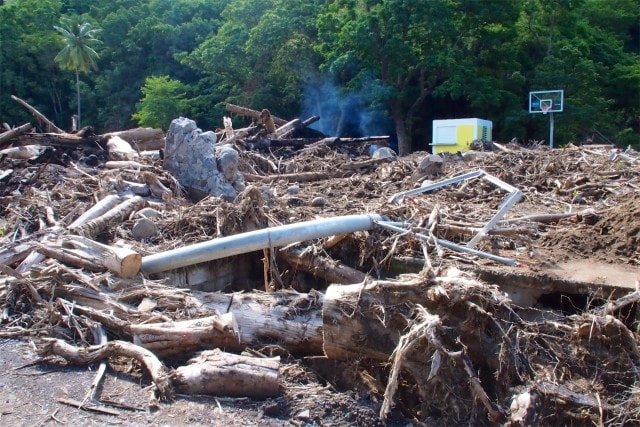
<point x="595" y="241"/>
<point x="32" y="393"/>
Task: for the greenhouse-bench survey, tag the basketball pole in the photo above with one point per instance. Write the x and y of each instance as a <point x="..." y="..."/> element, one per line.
<point x="550" y="130"/>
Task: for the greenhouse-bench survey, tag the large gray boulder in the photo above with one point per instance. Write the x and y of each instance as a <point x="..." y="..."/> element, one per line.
<point x="193" y="158"/>
<point x="429" y="166"/>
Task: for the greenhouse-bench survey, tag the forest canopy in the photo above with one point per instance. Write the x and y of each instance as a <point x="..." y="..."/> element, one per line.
<point x="364" y="66"/>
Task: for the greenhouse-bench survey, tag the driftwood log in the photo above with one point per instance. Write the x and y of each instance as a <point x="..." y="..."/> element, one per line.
<point x="24" y="152"/>
<point x="176" y="339"/>
<point x="141" y="139"/>
<point x="116" y="214"/>
<point x="44" y="122"/>
<point x="126" y="164"/>
<point x="104" y="205"/>
<point x="212" y="372"/>
<point x="218" y="373"/>
<point x="54" y="139"/>
<point x="247" y="112"/>
<point x="124" y="186"/>
<point x="82" y="252"/>
<point x="320" y="266"/>
<point x="286" y="318"/>
<point x="6" y="136"/>
<point x="287" y="128"/>
<point x="119" y="149"/>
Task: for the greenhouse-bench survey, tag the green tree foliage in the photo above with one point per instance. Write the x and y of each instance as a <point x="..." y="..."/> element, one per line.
<point x="403" y="48"/>
<point x="424" y="55"/>
<point x="78" y="53"/>
<point x="572" y="46"/>
<point x="163" y="100"/>
<point x="260" y="56"/>
<point x="409" y="62"/>
<point x="148" y="38"/>
<point x="27" y="70"/>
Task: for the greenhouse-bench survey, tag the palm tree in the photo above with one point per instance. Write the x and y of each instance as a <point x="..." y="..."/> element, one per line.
<point x="78" y="53"/>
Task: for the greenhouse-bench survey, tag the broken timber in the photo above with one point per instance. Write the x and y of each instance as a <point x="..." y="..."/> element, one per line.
<point x="247" y="112"/>
<point x="212" y="372"/>
<point x="44" y="122"/>
<point x="6" y="136"/>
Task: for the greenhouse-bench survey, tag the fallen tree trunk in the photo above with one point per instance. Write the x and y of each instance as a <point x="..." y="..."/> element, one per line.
<point x="247" y="112"/>
<point x="367" y="319"/>
<point x="212" y="372"/>
<point x="288" y="319"/>
<point x="141" y="138"/>
<point x="311" y="120"/>
<point x="125" y="164"/>
<point x="118" y="213"/>
<point x="54" y="139"/>
<point x="100" y="208"/>
<point x="44" y="122"/>
<point x="119" y="149"/>
<point x="241" y="134"/>
<point x="175" y="339"/>
<point x="349" y="321"/>
<point x="104" y="205"/>
<point x="324" y="267"/>
<point x="287" y="128"/>
<point x="6" y="136"/>
<point x="24" y="152"/>
<point x="81" y="252"/>
<point x="218" y="373"/>
<point x="124" y="186"/>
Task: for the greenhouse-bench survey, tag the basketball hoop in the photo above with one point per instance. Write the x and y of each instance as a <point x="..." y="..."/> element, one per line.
<point x="547" y="101"/>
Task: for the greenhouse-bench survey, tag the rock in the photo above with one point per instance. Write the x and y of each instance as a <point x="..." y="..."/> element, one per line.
<point x="227" y="160"/>
<point x="143" y="229"/>
<point x="293" y="189"/>
<point x="384" y="153"/>
<point x="474" y="155"/>
<point x="318" y="202"/>
<point x="430" y="165"/>
<point x="147" y="305"/>
<point x="304" y="415"/>
<point x="271" y="409"/>
<point x="267" y="194"/>
<point x="148" y="213"/>
<point x="193" y="158"/>
<point x="91" y="160"/>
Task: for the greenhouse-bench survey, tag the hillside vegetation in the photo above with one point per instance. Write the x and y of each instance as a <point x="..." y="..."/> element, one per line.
<point x="366" y="67"/>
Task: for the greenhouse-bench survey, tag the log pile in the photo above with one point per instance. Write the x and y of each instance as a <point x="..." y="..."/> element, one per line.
<point x="437" y="345"/>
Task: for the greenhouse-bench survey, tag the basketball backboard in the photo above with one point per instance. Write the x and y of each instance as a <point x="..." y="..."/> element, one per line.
<point x="546" y="101"/>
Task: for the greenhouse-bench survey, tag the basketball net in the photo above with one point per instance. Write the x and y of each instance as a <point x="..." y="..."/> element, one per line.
<point x="545" y="107"/>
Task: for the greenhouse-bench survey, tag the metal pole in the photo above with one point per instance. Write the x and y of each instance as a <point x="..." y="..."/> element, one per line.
<point x="255" y="240"/>
<point x="551" y="130"/>
<point x="447" y="244"/>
